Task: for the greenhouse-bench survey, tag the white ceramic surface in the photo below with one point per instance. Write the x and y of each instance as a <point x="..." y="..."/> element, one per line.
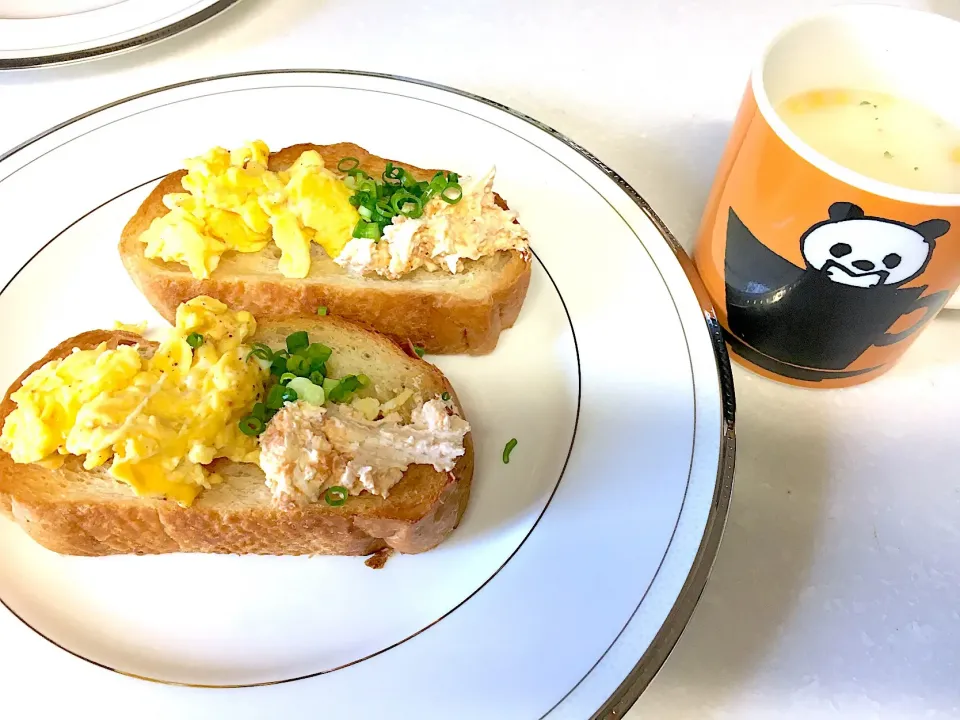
<point x="40" y="33"/>
<point x="526" y="611"/>
<point x="837" y="587"/>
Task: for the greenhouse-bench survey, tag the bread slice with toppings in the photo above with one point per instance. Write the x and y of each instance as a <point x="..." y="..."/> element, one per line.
<point x="440" y="312"/>
<point x="77" y="512"/>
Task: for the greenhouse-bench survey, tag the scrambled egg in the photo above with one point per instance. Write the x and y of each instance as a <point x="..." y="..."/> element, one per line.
<point x="233" y="202"/>
<point x="159" y="420"/>
<point x="442" y="238"/>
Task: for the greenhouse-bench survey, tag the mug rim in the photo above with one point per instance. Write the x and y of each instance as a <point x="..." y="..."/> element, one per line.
<point x="818" y="159"/>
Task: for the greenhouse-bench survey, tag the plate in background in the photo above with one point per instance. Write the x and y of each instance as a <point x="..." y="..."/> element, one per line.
<point x="576" y="566"/>
<point x="63" y="31"/>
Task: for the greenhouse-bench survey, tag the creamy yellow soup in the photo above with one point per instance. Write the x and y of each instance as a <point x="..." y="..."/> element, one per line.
<point x="878" y="135"/>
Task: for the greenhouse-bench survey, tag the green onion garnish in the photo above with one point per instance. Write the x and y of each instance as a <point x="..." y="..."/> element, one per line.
<point x="278" y="395"/>
<point x="336" y="495"/>
<point x="419" y="350"/>
<point x="509" y="449"/>
<point x="341" y="390"/>
<point x="251" y="425"/>
<point x="307" y="391"/>
<point x="393" y="173"/>
<point x="278" y="365"/>
<point x="297" y="341"/>
<point x="412" y="208"/>
<point x="445" y="397"/>
<point x="322" y="310"/>
<point x="363" y="380"/>
<point x="452" y="193"/>
<point x="410" y="182"/>
<point x="350" y="383"/>
<point x="298" y="365"/>
<point x="329" y="385"/>
<point x="367" y="230"/>
<point x="261" y="351"/>
<point x="318" y="353"/>
<point x="317" y="377"/>
<point x="286" y="377"/>
<point x="347" y="164"/>
<point x="259" y="411"/>
<point x="396" y="193"/>
<point x="194" y="340"/>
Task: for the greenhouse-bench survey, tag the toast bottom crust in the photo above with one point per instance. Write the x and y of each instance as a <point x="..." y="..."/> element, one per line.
<point x="72" y="528"/>
<point x="441" y="323"/>
<point x="150" y="527"/>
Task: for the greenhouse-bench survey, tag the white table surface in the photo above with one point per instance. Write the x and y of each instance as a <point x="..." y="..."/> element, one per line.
<point x="836" y="592"/>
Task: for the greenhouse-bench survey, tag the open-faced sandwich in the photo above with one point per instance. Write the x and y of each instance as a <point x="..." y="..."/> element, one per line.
<point x="287" y="436"/>
<point x="422" y="255"/>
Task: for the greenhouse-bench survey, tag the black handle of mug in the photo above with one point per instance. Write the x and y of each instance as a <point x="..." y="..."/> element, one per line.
<point x="930" y="303"/>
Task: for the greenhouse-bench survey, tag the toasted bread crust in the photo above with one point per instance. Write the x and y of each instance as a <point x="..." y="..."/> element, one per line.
<point x="441" y="320"/>
<point x="421" y="511"/>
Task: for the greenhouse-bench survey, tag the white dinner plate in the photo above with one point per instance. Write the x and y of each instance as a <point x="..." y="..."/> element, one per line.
<point x="576" y="565"/>
<point x="45" y="32"/>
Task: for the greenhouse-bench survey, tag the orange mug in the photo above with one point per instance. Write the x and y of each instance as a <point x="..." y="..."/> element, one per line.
<point x="822" y="276"/>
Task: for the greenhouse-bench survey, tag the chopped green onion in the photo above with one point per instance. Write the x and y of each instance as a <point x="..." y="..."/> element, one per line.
<point x="399" y="199"/>
<point x="398" y="193"/>
<point x="259" y="411"/>
<point x="194" y="340"/>
<point x="286" y="377"/>
<point x="363" y="380"/>
<point x="298" y="365"/>
<point x="317" y="377"/>
<point x="438" y="183"/>
<point x="322" y="310"/>
<point x="393" y="173"/>
<point x="445" y="397"/>
<point x="347" y="164"/>
<point x="509" y="449"/>
<point x="412" y="208"/>
<point x="351" y="381"/>
<point x="384" y="209"/>
<point x="307" y="391"/>
<point x="343" y="389"/>
<point x="318" y="352"/>
<point x="367" y="230"/>
<point x="336" y="495"/>
<point x="279" y="364"/>
<point x="297" y="341"/>
<point x="452" y="193"/>
<point x="329" y="385"/>
<point x="261" y="351"/>
<point x="278" y="395"/>
<point x="419" y="350"/>
<point x="251" y="425"/>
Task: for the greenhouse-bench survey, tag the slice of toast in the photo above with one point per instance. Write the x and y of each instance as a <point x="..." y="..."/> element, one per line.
<point x="442" y="313"/>
<point x="78" y="512"/>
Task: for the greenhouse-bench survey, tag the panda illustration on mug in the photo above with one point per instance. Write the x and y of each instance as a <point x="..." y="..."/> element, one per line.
<point x="825" y="315"/>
